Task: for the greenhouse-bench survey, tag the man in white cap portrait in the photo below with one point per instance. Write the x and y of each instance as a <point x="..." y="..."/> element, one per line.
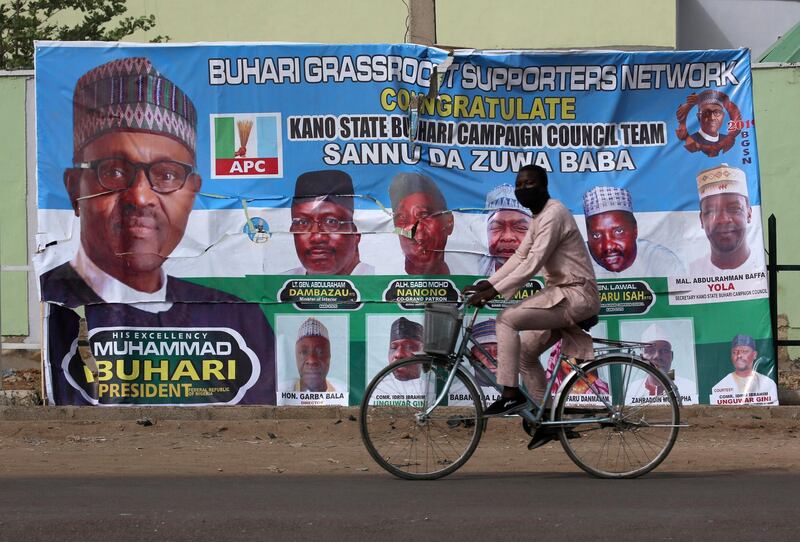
<point x="744" y="380"/>
<point x="506" y="226"/>
<point x="725" y="213"/>
<point x="710" y="116"/>
<point x="423" y="223"/>
<point x="614" y="242"/>
<point x="659" y="352"/>
<point x="313" y="357"/>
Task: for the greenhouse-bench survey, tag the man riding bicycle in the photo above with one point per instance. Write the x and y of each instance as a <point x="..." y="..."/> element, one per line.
<point x="554" y="245"/>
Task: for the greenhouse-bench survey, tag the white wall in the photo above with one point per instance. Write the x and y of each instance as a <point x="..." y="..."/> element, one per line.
<point x="730" y="24"/>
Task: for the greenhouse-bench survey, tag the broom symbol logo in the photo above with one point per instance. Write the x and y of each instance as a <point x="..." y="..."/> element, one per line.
<point x="244" y="127"/>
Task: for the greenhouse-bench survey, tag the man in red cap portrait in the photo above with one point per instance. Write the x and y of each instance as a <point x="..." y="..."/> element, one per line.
<point x="423" y="223"/>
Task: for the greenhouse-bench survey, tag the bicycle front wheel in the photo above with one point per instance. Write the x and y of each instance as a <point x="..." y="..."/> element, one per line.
<point x="625" y="417"/>
<point x="401" y="438"/>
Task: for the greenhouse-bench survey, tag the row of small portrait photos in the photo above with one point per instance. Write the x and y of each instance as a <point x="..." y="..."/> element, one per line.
<point x="313" y="369"/>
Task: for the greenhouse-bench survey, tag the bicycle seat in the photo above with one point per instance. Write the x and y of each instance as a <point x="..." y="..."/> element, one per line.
<point x="589" y="323"/>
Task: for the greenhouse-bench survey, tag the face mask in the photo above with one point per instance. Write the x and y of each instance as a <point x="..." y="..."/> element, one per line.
<point x="533" y="198"/>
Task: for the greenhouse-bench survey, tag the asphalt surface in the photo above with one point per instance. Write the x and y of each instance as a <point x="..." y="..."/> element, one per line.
<point x="669" y="506"/>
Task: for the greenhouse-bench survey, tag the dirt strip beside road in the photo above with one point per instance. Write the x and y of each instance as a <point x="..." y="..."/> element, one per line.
<point x="329" y="443"/>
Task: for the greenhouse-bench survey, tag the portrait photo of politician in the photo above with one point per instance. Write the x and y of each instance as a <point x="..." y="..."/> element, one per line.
<point x="312" y="357"/>
<point x="405" y="340"/>
<point x="391" y="338"/>
<point x="422" y="222"/>
<point x="595" y="382"/>
<point x="744" y="379"/>
<point x="670" y="348"/>
<point x="710" y="114"/>
<point x="725" y="214"/>
<point x="550" y="357"/>
<point x="613" y="238"/>
<point x="711" y="108"/>
<point x="325" y="236"/>
<point x="485" y="334"/>
<point x="132" y="186"/>
<point x="506" y="225"/>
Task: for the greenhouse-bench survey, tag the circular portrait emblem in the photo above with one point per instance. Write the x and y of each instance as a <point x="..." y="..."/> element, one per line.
<point x="712" y="107"/>
<point x="257" y="230"/>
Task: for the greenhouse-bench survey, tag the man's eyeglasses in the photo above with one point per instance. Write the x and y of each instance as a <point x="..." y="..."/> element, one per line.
<point x="716" y="113"/>
<point x="116" y="174"/>
<point x="326" y="224"/>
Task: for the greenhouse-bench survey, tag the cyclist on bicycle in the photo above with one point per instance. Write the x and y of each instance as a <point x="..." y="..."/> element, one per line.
<point x="554" y="245"/>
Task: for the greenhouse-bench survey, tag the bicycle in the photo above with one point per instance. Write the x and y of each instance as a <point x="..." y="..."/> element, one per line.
<point x="427" y="422"/>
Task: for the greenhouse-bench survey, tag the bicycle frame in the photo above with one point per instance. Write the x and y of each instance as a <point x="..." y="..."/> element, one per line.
<point x="534" y="417"/>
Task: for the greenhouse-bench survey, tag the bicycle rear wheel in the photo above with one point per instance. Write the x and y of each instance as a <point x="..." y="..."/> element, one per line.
<point x="626" y="417"/>
<point x="406" y="443"/>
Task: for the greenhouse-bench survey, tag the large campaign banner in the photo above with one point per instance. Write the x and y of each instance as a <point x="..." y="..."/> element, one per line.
<point x="264" y="223"/>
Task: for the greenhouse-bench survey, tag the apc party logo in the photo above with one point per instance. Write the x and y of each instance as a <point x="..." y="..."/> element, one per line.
<point x="246" y="145"/>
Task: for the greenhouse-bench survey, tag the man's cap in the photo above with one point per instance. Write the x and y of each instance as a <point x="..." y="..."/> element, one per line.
<point x="405" y="184"/>
<point x="655" y="332"/>
<point x="602" y="199"/>
<point x="403" y="328"/>
<point x="330" y="184"/>
<point x="312" y="328"/>
<point x="503" y="197"/>
<point x="743" y="340"/>
<point x="721" y="179"/>
<point x="710" y="97"/>
<point x="129" y="94"/>
<point x="484" y="332"/>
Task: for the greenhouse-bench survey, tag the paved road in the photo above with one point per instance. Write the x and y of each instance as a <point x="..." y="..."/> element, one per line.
<point x="721" y="506"/>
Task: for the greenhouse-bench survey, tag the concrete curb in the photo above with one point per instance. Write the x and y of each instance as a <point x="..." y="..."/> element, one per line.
<point x="789" y="397"/>
<point x="228" y="413"/>
<point x="21" y="412"/>
<point x="32" y="398"/>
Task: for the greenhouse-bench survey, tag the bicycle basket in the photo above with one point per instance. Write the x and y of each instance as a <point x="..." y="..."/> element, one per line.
<point x="442" y="324"/>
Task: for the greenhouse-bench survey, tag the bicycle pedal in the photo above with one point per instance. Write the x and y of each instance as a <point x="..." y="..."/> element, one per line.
<point x="514" y="414"/>
<point x="549" y="435"/>
<point x="541" y="440"/>
<point x="508" y="413"/>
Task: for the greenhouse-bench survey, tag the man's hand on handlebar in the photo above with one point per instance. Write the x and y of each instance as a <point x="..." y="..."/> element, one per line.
<point x="480" y="293"/>
<point x="480" y="286"/>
